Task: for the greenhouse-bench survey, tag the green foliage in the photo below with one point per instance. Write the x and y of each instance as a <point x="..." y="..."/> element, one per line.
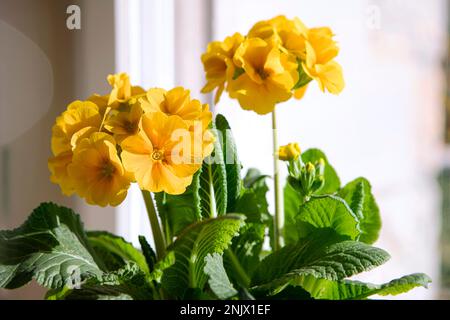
<point x="49" y="247"/>
<point x="115" y="251"/>
<point x="216" y="231"/>
<point x="292" y="203"/>
<point x="127" y="283"/>
<point x="218" y="279"/>
<point x="361" y="200"/>
<point x="323" y="254"/>
<point x="148" y="252"/>
<point x="327" y="212"/>
<point x="231" y="160"/>
<point x="213" y="183"/>
<point x="192" y="246"/>
<point x="325" y="289"/>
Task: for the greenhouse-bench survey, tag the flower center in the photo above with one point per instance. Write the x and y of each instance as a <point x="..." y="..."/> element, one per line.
<point x="107" y="170"/>
<point x="130" y="127"/>
<point x="157" y="155"/>
<point x="262" y="73"/>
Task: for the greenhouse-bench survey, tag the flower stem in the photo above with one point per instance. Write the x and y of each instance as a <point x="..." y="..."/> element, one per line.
<point x="160" y="244"/>
<point x="278" y="218"/>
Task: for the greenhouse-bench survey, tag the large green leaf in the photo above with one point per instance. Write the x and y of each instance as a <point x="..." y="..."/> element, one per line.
<point x="218" y="279"/>
<point x="127" y="283"/>
<point x="213" y="183"/>
<point x="50" y="246"/>
<point x="292" y="202"/>
<point x="327" y="212"/>
<point x="323" y="254"/>
<point x="332" y="182"/>
<point x="114" y="250"/>
<point x="358" y="195"/>
<point x="191" y="248"/>
<point x="232" y="164"/>
<point x="353" y="290"/>
<point x="179" y="211"/>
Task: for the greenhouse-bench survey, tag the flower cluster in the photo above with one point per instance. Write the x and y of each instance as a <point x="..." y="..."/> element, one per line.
<point x="156" y="138"/>
<point x="305" y="178"/>
<point x="273" y="62"/>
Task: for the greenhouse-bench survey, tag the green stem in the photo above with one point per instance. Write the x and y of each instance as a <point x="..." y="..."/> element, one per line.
<point x="244" y="279"/>
<point x="212" y="196"/>
<point x="278" y="218"/>
<point x="158" y="237"/>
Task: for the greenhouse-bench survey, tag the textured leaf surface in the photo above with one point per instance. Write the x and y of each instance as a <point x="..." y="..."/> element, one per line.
<point x="127" y="283"/>
<point x="213" y="183"/>
<point x="218" y="279"/>
<point x="231" y="160"/>
<point x="115" y="249"/>
<point x="192" y="246"/>
<point x="358" y="194"/>
<point x="354" y="290"/>
<point x="50" y="246"/>
<point x="327" y="212"/>
<point x="323" y="254"/>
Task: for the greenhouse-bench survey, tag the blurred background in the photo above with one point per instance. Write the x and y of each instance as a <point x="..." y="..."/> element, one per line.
<point x="391" y="124"/>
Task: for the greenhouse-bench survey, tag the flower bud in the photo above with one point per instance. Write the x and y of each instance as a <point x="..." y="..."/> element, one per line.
<point x="289" y="152"/>
<point x="320" y="167"/>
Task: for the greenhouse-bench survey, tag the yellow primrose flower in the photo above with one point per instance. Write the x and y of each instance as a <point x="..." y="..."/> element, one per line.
<point x="121" y="89"/>
<point x="289" y="33"/>
<point x="218" y="63"/>
<point x="268" y="79"/>
<point x="96" y="171"/>
<point x="80" y="115"/>
<point x="321" y="49"/>
<point x="125" y="123"/>
<point x="100" y="101"/>
<point x="59" y="174"/>
<point x="289" y="152"/>
<point x="177" y="102"/>
<point x="157" y="157"/>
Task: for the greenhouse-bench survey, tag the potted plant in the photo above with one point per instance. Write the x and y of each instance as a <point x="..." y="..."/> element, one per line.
<point x="209" y="220"/>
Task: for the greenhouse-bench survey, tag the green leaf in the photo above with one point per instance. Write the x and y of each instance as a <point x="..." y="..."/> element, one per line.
<point x="127" y="283"/>
<point x="359" y="196"/>
<point x="246" y="249"/>
<point x="115" y="250"/>
<point x="191" y="248"/>
<point x="179" y="211"/>
<point x="218" y="279"/>
<point x="50" y="246"/>
<point x="354" y="290"/>
<point x="327" y="212"/>
<point x="231" y="160"/>
<point x="332" y="182"/>
<point x="252" y="201"/>
<point x="213" y="183"/>
<point x="323" y="254"/>
<point x="292" y="202"/>
<point x="148" y="252"/>
<point x="161" y="266"/>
